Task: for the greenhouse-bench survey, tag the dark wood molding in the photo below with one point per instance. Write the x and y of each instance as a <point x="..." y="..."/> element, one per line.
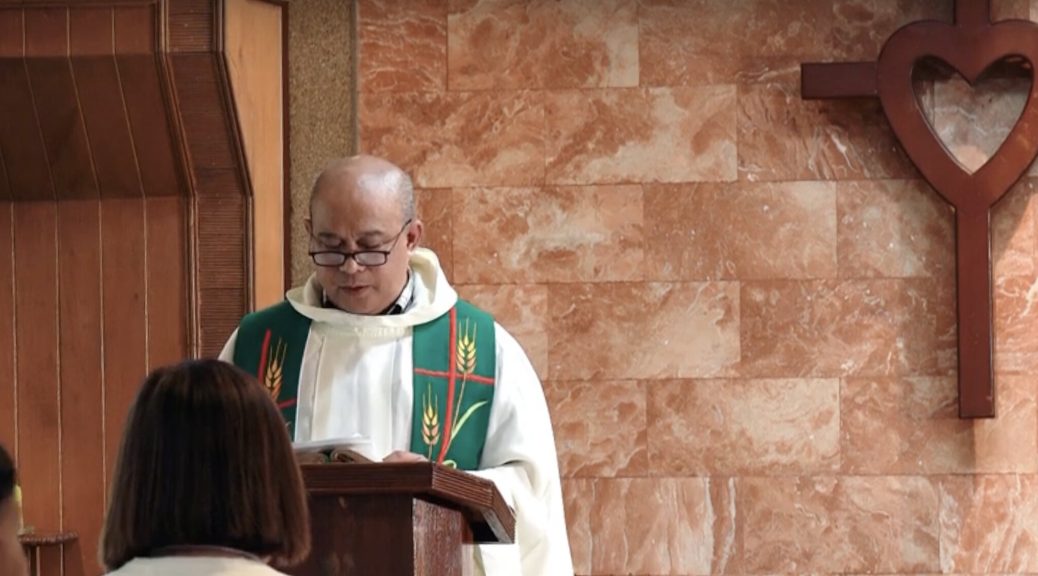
<point x="489" y="516"/>
<point x="164" y="100"/>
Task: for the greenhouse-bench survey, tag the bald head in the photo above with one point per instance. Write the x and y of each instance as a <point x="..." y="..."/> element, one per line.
<point x="366" y="178"/>
<point x="362" y="205"/>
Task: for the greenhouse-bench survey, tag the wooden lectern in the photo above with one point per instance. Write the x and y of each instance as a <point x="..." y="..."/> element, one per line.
<point x="395" y="519"/>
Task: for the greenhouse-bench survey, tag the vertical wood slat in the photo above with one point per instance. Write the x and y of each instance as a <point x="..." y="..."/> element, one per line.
<point x="136" y="29"/>
<point x="82" y="424"/>
<point x="91" y="42"/>
<point x="257" y="80"/>
<point x="36" y="334"/>
<point x="222" y="265"/>
<point x="150" y="124"/>
<point x="46" y="32"/>
<point x="123" y="317"/>
<point x="195" y="21"/>
<point x="8" y="399"/>
<point x="211" y="142"/>
<point x="91" y="31"/>
<point x="53" y="90"/>
<point x="20" y="139"/>
<point x="5" y="189"/>
<point x="167" y="256"/>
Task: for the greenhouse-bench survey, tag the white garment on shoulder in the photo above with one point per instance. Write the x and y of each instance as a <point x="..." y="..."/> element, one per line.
<point x="195" y="566"/>
<point x="356" y="380"/>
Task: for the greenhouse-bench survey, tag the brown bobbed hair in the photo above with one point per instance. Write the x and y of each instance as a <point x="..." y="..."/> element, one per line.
<point x="205" y="460"/>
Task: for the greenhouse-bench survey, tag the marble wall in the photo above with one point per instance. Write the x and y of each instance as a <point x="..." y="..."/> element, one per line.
<point x="741" y="303"/>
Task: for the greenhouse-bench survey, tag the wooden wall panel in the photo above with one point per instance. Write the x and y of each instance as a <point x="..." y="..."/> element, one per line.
<point x="99" y="293"/>
<point x="124" y="321"/>
<point x="195" y="23"/>
<point x="82" y="392"/>
<point x="254" y="67"/>
<point x="8" y="396"/>
<point x="46" y="32"/>
<point x="92" y="38"/>
<point x="5" y="188"/>
<point x="167" y="281"/>
<point x="91" y="31"/>
<point x="20" y="138"/>
<point x="221" y="255"/>
<point x="150" y="124"/>
<point x="135" y="29"/>
<point x="108" y="148"/>
<point x="207" y="129"/>
<point x="36" y="345"/>
<point x="64" y="134"/>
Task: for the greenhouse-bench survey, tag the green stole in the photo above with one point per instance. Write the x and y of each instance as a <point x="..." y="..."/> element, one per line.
<point x="454" y="359"/>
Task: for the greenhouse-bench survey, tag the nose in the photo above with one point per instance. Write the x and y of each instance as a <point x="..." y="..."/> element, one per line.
<point x="350" y="266"/>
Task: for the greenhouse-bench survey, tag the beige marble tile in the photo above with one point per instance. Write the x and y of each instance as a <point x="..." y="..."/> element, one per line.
<point x="600" y="427"/>
<point x="434" y="207"/>
<point x="894" y="229"/>
<point x="911" y="426"/>
<point x="661" y="526"/>
<point x="861" y="27"/>
<point x="642" y="330"/>
<point x="502" y="44"/>
<point x="578" y="496"/>
<point x="740" y="231"/>
<point x="740" y="427"/>
<point x="520" y="309"/>
<point x="1009" y="442"/>
<point x="1013" y="234"/>
<point x="459" y="138"/>
<point x="838" y="328"/>
<point x="973" y="121"/>
<point x="827" y="524"/>
<point x="555" y="234"/>
<point x="402" y="45"/>
<point x="1016" y="324"/>
<point x="782" y="137"/>
<point x="946" y="310"/>
<point x="989" y="524"/>
<point x="641" y="135"/>
<point x="697" y="42"/>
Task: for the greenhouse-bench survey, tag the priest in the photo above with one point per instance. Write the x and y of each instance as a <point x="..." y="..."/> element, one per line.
<point x="378" y="346"/>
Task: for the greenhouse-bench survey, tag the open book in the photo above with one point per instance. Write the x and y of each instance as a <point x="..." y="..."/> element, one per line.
<point x="333" y="450"/>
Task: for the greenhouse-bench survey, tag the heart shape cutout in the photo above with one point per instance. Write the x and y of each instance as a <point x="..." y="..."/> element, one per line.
<point x="970" y="52"/>
<point x="971" y="120"/>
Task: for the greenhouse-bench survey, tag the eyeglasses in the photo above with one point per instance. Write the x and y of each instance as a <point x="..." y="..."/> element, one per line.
<point x="366" y="258"/>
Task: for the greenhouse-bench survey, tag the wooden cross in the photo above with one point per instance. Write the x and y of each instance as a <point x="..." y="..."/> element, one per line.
<point x="970" y="45"/>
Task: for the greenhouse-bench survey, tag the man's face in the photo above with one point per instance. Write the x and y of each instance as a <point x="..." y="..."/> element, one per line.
<point x="346" y="221"/>
<point x="12" y="557"/>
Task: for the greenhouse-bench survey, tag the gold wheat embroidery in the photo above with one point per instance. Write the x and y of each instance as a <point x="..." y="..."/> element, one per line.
<point x="467" y="351"/>
<point x="272" y="378"/>
<point x="430" y="420"/>
<point x="466" y="365"/>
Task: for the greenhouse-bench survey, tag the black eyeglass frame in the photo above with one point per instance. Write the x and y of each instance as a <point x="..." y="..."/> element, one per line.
<point x="365" y="258"/>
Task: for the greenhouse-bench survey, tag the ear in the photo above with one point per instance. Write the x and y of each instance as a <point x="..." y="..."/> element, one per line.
<point x="414" y="234"/>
